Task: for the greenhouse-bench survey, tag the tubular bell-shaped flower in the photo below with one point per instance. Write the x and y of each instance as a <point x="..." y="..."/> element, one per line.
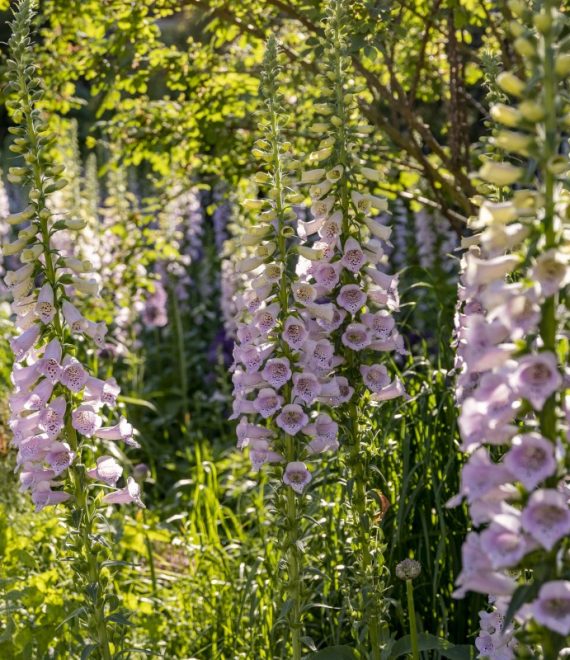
<point x="277" y="387"/>
<point x="512" y="383"/>
<point x="48" y="415"/>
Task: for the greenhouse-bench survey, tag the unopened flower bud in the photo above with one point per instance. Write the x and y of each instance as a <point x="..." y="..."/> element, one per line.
<point x="531" y="111"/>
<point x="542" y="22"/>
<point x="141" y="472"/>
<point x="524" y="47"/>
<point x="321" y="154"/>
<point x="558" y="164"/>
<point x="518" y="143"/>
<point x="312" y="176"/>
<point x="517" y="7"/>
<point x="30" y="254"/>
<point x="254" y="204"/>
<point x="16" y="218"/>
<point x="500" y="174"/>
<point x="319" y="127"/>
<point x="262" y="177"/>
<point x="75" y="224"/>
<point x="562" y="64"/>
<point x="505" y="114"/>
<point x="510" y="83"/>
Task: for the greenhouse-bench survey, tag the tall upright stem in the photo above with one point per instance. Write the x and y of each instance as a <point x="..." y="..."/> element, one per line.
<point x="293" y="553"/>
<point x="355" y="461"/>
<point x="548" y="321"/>
<point x="42" y="177"/>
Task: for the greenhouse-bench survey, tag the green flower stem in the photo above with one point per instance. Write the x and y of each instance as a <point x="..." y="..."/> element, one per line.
<point x="355" y="461"/>
<point x="359" y="501"/>
<point x="413" y="625"/>
<point x="84" y="525"/>
<point x="548" y="321"/>
<point x="182" y="362"/>
<point x="42" y="177"/>
<point x="150" y="555"/>
<point x="291" y="514"/>
<point x="294" y="558"/>
<point x="551" y="644"/>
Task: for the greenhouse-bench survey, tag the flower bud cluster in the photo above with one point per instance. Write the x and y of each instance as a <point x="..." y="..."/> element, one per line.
<point x="55" y="398"/>
<point x="512" y="385"/>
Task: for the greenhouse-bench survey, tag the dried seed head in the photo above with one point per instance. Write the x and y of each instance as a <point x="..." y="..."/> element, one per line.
<point x="409" y="569"/>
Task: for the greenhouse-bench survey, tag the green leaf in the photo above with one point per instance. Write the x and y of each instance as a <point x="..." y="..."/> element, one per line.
<point x="427" y="642"/>
<point x="6" y="636"/>
<point x="134" y="401"/>
<point x="87" y="650"/>
<point x="522" y="595"/>
<point x="334" y="653"/>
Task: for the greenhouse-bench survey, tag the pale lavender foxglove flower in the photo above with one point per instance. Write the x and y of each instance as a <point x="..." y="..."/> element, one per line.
<point x="503" y="541"/>
<point x="130" y="493"/>
<point x="43" y="495"/>
<point x="292" y="418"/>
<point x="74" y="376"/>
<point x="552" y="607"/>
<point x="546" y="517"/>
<point x="352" y="298"/>
<point x="154" y="313"/>
<point x="550" y="273"/>
<point x="297" y="476"/>
<point x="86" y="420"/>
<point x="277" y="372"/>
<point x="108" y="470"/>
<point x="536" y="378"/>
<point x="356" y="336"/>
<point x="123" y="430"/>
<point x="267" y="402"/>
<point x="24" y="343"/>
<point x="45" y="309"/>
<point x="531" y="459"/>
<point x="52" y="417"/>
<point x="49" y="365"/>
<point x="477" y="572"/>
<point x="261" y="453"/>
<point x="59" y="456"/>
<point x="294" y="332"/>
<point x="375" y="376"/>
